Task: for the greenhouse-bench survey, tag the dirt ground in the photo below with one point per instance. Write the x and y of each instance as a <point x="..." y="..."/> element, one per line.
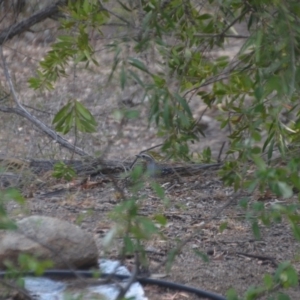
<point x="236" y="259"/>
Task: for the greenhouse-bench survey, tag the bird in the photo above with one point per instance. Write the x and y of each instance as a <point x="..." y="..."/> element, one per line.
<point x="157" y="169"/>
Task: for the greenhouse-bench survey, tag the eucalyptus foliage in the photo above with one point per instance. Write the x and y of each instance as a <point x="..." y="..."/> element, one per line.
<point x="256" y="92"/>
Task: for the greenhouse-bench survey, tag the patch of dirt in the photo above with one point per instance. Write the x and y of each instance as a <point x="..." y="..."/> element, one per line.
<point x="236" y="258"/>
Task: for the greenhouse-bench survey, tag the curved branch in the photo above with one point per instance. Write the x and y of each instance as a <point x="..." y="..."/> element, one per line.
<point x="11" y="31"/>
<point x="22" y="111"/>
<point x="44" y="128"/>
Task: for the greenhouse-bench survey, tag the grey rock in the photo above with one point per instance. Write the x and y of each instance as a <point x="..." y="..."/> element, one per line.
<point x="67" y="245"/>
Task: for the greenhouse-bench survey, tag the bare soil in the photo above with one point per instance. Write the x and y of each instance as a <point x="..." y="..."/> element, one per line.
<point x="236" y="259"/>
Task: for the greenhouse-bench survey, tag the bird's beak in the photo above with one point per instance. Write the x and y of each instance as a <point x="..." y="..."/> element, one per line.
<point x="138" y="155"/>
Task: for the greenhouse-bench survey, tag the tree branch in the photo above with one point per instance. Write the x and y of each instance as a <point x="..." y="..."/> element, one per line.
<point x="21" y="110"/>
<point x="234" y="21"/>
<point x="234" y="36"/>
<point x="11" y="31"/>
<point x="44" y="128"/>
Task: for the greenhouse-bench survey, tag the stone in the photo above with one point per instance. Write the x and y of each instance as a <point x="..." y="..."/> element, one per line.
<point x="66" y="244"/>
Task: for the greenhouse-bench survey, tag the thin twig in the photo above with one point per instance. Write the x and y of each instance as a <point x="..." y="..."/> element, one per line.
<point x="143" y="151"/>
<point x="132" y="279"/>
<point x="233" y="22"/>
<point x="260" y="257"/>
<point x="38" y="110"/>
<point x="153" y="147"/>
<point x="221" y="76"/>
<point x="220" y="152"/>
<point x="234" y="36"/>
<point x="114" y="14"/>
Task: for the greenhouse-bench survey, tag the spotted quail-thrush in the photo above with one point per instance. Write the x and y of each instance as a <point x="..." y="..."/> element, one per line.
<point x="156" y="169"/>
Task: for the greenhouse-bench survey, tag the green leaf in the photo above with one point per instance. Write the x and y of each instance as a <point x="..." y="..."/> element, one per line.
<point x="258" y="206"/>
<point x="259" y="37"/>
<point x="170" y="258"/>
<point x="13" y="194"/>
<point x="67" y="125"/>
<point x="66" y="38"/>
<point x="203" y="255"/>
<point x="137" y="172"/>
<point x="61" y="170"/>
<point x="231" y="294"/>
<point x="148" y="226"/>
<point x="256" y="136"/>
<point x="295" y="179"/>
<point x="136" y="78"/>
<point x="259" y="163"/>
<point x="129" y="245"/>
<point x="256" y="150"/>
<point x="204" y="17"/>
<point x="282" y="296"/>
<point x="296" y="230"/>
<point x="256" y="230"/>
<point x="123" y="77"/>
<point x="86" y="6"/>
<point x="183" y="103"/>
<point x="62" y="113"/>
<point x="131" y="114"/>
<point x="161" y="219"/>
<point x="34" y="83"/>
<point x="244" y="202"/>
<point x="159" y="80"/>
<point x="83" y="111"/>
<point x="158" y="190"/>
<point x="268" y="281"/>
<point x="87" y="54"/>
<point x="270" y="151"/>
<point x="223" y="226"/>
<point x="138" y="64"/>
<point x="285" y="190"/>
<point x="287" y="275"/>
<point x="167" y="114"/>
<point x="115" y="64"/>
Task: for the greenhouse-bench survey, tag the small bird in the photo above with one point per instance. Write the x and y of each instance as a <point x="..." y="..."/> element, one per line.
<point x="156" y="169"/>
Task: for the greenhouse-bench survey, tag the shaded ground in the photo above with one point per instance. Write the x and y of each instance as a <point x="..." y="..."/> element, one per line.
<point x="189" y="204"/>
<point x="232" y="253"/>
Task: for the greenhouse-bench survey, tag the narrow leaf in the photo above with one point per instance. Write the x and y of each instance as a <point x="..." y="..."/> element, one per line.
<point x="183" y="103"/>
<point x="138" y="64"/>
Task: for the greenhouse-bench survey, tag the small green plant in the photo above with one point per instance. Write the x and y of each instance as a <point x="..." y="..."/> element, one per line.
<point x="130" y="225"/>
<point x="5" y="196"/>
<point x="61" y="170"/>
<point x="285" y="276"/>
<point x="27" y="263"/>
